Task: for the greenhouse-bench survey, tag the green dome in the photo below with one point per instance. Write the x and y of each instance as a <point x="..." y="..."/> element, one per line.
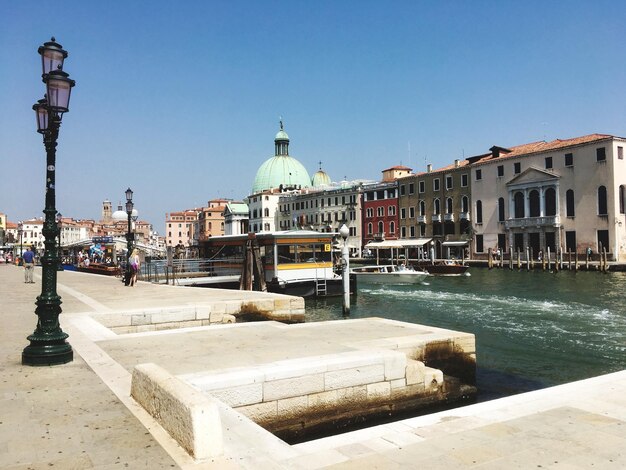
<point x="281" y="135"/>
<point x="280" y="169"/>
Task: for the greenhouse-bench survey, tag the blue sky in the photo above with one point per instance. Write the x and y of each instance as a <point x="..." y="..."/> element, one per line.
<point x="181" y="100"/>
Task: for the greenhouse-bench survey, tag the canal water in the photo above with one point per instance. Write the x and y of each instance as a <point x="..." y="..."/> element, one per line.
<point x="533" y="329"/>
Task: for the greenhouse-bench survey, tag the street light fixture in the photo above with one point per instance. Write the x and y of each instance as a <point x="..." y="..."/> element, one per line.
<point x="48" y="345"/>
<point x="129" y="235"/>
<point x="344" y="231"/>
<point x="20" y="230"/>
<point x="59" y="220"/>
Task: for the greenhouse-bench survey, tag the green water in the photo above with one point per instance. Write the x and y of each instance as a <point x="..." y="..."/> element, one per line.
<point x="533" y="329"/>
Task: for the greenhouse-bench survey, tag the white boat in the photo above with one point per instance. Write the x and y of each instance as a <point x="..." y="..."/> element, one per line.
<point x="389" y="274"/>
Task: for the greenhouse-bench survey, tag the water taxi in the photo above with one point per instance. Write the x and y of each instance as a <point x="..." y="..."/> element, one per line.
<point x="389" y="274"/>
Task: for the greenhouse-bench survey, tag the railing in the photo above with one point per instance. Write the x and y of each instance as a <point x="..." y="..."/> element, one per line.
<point x="552" y="221"/>
<point x="448" y="217"/>
<point x="421" y="219"/>
<point x="436" y="218"/>
<point x="159" y="272"/>
<point x="464" y="216"/>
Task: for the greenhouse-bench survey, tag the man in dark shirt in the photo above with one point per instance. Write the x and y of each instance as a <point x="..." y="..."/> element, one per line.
<point x="29" y="265"/>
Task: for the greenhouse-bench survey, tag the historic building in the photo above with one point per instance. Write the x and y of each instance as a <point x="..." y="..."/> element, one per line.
<point x="436" y="205"/>
<point x="210" y="221"/>
<point x="179" y="227"/>
<point x="560" y="195"/>
<point x="236" y="218"/>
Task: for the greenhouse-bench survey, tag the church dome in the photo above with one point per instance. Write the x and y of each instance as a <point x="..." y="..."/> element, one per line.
<point x="321" y="178"/>
<point x="281" y="169"/>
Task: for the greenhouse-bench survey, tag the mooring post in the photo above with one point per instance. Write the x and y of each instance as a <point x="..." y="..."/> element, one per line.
<point x="549" y="260"/>
<point x="345" y="262"/>
<point x="576" y="261"/>
<point x="489" y="258"/>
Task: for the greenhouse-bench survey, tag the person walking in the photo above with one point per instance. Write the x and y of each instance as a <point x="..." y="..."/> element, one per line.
<point x="134" y="267"/>
<point x="29" y="265"/>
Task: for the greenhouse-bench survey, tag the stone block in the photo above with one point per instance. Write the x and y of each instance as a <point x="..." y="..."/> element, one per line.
<point x="141" y="319"/>
<point x="227" y="318"/>
<point x="232" y="307"/>
<point x="352" y="394"/>
<point x="261" y="412"/>
<point x="241" y="395"/>
<point x="356" y="376"/>
<point x="173" y="315"/>
<point x="144" y="328"/>
<point x="323" y="400"/>
<point x="415" y="372"/>
<point x="113" y="319"/>
<point x="378" y="390"/>
<point x="395" y="365"/>
<point x="433" y="378"/>
<point x="216" y="317"/>
<point x="352" y="360"/>
<point x="190" y="417"/>
<point x="292" y="406"/>
<point x="231" y="379"/>
<point x="293" y="387"/>
<point x="398" y="383"/>
<point x="407" y="392"/>
<point x="291" y="368"/>
<point x="465" y="343"/>
<point x="203" y="312"/>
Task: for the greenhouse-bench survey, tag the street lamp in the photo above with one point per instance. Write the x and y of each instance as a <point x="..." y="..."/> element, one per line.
<point x="48" y="345"/>
<point x="20" y="230"/>
<point x="345" y="264"/>
<point x="59" y="220"/>
<point x="129" y="235"/>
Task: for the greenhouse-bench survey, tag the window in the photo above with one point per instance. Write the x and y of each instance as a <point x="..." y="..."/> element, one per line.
<point x="500" y="171"/>
<point x="380" y="211"/>
<point x="517" y="168"/>
<point x="422" y="230"/>
<point x="479" y="175"/>
<point x="436" y="184"/>
<point x="518" y="203"/>
<point x="411" y="188"/>
<point x="402" y="232"/>
<point x="381" y="228"/>
<point x="411" y="212"/>
<point x="464" y="181"/>
<point x="621" y="199"/>
<point x="479" y="244"/>
<point x="412" y="231"/>
<point x="465" y="204"/>
<point x="403" y="213"/>
<point x="501" y="209"/>
<point x="369" y="213"/>
<point x="603" y="240"/>
<point x="392" y="227"/>
<point x="370" y="227"/>
<point x="601" y="154"/>
<point x="569" y="203"/>
<point x="266" y="212"/>
<point x="391" y="210"/>
<point x="402" y="190"/>
<point x="602" y="204"/>
<point x="448" y="182"/>
<point x="437" y="207"/>
<point x="449" y="205"/>
<point x="569" y="159"/>
<point x="533" y="204"/>
<point x="548" y="163"/>
<point x="620" y="153"/>
<point x="422" y="186"/>
<point x="570" y="241"/>
<point x="479" y="212"/>
<point x="502" y="241"/>
<point x="422" y="208"/>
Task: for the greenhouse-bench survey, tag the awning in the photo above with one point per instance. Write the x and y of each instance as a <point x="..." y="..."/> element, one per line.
<point x="407" y="243"/>
<point x="457" y="243"/>
<point x="385" y="244"/>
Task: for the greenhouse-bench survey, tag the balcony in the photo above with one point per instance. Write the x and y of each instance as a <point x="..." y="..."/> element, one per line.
<point x="421" y="219"/>
<point x="448" y="217"/>
<point x="550" y="221"/>
<point x="436" y="218"/>
<point x="465" y="216"/>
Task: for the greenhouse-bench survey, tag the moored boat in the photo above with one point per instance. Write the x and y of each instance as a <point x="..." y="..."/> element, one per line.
<point x="389" y="274"/>
<point x="445" y="268"/>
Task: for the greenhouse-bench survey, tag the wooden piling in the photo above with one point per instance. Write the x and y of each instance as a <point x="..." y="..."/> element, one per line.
<point x="576" y="262"/>
<point x="489" y="258"/>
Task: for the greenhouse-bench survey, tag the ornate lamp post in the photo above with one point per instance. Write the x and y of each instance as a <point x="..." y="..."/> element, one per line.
<point x="48" y="345"/>
<point x="20" y="231"/>
<point x="345" y="263"/>
<point x="59" y="220"/>
<point x="129" y="234"/>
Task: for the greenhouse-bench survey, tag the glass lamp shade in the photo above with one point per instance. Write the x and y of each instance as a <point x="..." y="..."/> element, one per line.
<point x="59" y="86"/>
<point x="52" y="56"/>
<point x="134" y="214"/>
<point x="129" y="207"/>
<point x="19" y="227"/>
<point x="129" y="194"/>
<point x="344" y="231"/>
<point x="41" y="110"/>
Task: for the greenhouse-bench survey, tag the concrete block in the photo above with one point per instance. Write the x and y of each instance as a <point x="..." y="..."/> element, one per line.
<point x="227" y="318"/>
<point x="356" y="376"/>
<point x="415" y="372"/>
<point x="241" y="395"/>
<point x="190" y="417"/>
<point x="293" y="387"/>
<point x="378" y="390"/>
<point x="216" y="317"/>
<point x="261" y="412"/>
<point x="203" y="312"/>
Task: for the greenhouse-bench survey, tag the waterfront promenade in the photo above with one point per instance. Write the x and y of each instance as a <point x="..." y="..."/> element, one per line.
<point x="80" y="415"/>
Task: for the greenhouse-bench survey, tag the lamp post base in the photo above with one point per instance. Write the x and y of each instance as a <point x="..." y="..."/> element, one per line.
<point x="49" y="354"/>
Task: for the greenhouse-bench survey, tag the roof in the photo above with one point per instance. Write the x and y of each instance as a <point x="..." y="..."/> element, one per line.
<point x="398" y="167"/>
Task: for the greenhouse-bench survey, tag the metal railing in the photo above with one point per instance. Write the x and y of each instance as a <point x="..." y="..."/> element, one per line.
<point x="160" y="272"/>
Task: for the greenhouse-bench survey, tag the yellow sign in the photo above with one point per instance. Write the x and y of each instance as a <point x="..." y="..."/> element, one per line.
<point x="327" y="247"/>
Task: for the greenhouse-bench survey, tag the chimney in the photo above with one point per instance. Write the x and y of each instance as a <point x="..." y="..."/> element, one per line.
<point x="457" y="163"/>
<point x="429" y="168"/>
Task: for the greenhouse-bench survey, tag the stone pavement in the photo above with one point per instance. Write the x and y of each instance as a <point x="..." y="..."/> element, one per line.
<point x="80" y="415"/>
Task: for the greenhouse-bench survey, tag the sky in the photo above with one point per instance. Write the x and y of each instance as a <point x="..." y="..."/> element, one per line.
<point x="181" y="101"/>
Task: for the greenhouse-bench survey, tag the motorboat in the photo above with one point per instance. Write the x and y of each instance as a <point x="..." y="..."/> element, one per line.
<point x="444" y="268"/>
<point x="389" y="274"/>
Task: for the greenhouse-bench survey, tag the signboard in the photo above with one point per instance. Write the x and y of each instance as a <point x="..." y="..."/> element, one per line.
<point x="102" y="239"/>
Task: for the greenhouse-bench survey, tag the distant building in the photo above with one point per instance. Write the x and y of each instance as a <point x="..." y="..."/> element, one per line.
<point x="236" y="218"/>
<point x="179" y="227"/>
